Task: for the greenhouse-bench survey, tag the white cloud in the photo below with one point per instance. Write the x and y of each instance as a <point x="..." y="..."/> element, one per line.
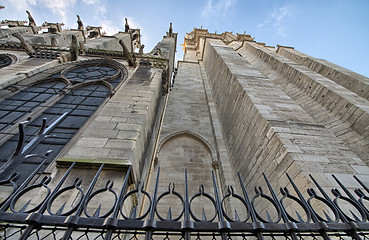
<point x="131" y="22"/>
<point x="60" y="7"/>
<point x="32" y="2"/>
<point x="20" y="5"/>
<point x="276" y="19"/>
<point x="217" y="8"/>
<point x="91" y="2"/>
<point x="98" y="5"/>
<point x="65" y="11"/>
<point x="280" y="13"/>
<point x="109" y="28"/>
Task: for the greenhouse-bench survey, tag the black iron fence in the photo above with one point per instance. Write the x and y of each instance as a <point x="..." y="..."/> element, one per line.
<point x="46" y="216"/>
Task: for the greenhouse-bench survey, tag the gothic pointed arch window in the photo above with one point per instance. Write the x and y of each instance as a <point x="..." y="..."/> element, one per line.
<point x="68" y="97"/>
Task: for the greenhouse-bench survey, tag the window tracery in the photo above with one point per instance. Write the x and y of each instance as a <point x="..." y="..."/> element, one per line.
<point x="78" y="91"/>
<point x="7" y="59"/>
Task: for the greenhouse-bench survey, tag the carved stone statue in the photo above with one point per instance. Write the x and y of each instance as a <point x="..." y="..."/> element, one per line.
<point x="30" y="19"/>
<point x="74" y="48"/>
<point x="53" y="27"/>
<point x="13" y="23"/>
<point x="53" y="42"/>
<point x="32" y="22"/>
<point x="29" y="49"/>
<point x="142" y="49"/>
<point x="157" y="52"/>
<point x="93" y="31"/>
<point x="79" y="22"/>
<point x="126" y="26"/>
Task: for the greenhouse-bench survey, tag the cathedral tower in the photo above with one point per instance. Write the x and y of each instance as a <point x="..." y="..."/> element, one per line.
<point x="101" y="140"/>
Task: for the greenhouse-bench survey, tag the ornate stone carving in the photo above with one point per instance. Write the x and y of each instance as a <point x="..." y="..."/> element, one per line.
<point x="141" y="49"/>
<point x="170" y="28"/>
<point x="93" y="31"/>
<point x="13" y="23"/>
<point x="127" y="54"/>
<point x="30" y="19"/>
<point x="53" y="27"/>
<point x="126" y="26"/>
<point x="80" y="24"/>
<point x="74" y="48"/>
<point x="29" y="49"/>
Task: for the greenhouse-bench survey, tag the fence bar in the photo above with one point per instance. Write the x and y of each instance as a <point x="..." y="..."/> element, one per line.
<point x="290" y="225"/>
<point x="73" y="219"/>
<point x="322" y="225"/>
<point x="25" y="183"/>
<point x="151" y="222"/>
<point x="352" y="232"/>
<point x="111" y="222"/>
<point x="258" y="226"/>
<point x="187" y="224"/>
<point x="223" y="225"/>
<point x="35" y="217"/>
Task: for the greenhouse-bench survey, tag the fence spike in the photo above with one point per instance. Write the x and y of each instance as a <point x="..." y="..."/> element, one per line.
<point x="169" y="215"/>
<point x="236" y="217"/>
<point x="203" y="215"/>
<point x="97" y="212"/>
<point x="59" y="212"/>
<point x="23" y="209"/>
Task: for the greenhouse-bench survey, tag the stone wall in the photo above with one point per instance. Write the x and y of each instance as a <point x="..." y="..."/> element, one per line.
<point x="23" y="68"/>
<point x="110" y="43"/>
<point x="190" y="139"/>
<point x="121" y="130"/>
<point x="186" y="117"/>
<point x="350" y="107"/>
<point x="343" y="112"/>
<point x="265" y="129"/>
<point x="352" y="81"/>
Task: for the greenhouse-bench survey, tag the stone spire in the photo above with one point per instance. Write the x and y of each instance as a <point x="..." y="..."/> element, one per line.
<point x="170" y="28"/>
<point x="126" y="26"/>
<point x="170" y="31"/>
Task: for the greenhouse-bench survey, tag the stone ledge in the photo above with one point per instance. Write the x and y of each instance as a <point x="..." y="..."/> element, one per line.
<point x="112" y="164"/>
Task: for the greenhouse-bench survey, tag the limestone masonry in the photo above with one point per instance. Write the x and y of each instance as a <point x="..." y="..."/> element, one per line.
<point x="231" y="105"/>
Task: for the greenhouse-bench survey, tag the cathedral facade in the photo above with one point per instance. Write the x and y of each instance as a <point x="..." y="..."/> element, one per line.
<point x="81" y="110"/>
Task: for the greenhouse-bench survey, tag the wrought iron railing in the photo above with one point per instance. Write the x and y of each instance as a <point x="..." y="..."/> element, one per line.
<point x="47" y="217"/>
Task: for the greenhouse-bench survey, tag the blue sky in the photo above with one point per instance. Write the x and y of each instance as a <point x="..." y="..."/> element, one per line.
<point x="335" y="30"/>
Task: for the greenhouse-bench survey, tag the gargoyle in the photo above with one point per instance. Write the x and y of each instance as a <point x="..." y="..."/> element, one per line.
<point x="29" y="49"/>
<point x="127" y="54"/>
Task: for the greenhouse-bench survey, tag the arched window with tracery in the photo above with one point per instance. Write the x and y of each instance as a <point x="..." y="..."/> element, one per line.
<point x="68" y="97"/>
